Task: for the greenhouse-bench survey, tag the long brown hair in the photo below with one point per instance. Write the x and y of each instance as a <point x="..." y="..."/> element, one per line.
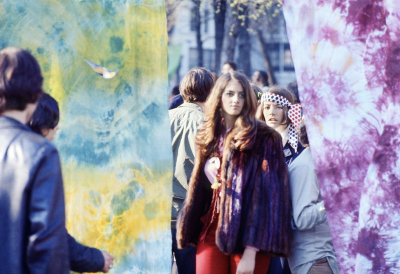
<point x="245" y="128"/>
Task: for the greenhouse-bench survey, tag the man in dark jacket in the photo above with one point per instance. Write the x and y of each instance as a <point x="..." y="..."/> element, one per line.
<point x="33" y="238"/>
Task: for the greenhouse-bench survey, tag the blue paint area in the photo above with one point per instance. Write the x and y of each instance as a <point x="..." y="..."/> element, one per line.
<point x="155" y="260"/>
<point x="123" y="200"/>
<point x="116" y="44"/>
<point x="151" y="210"/>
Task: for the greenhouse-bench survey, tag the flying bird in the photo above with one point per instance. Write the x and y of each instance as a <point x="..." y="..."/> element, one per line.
<point x="102" y="71"/>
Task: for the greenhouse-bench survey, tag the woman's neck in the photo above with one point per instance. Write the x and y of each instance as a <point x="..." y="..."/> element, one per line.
<point x="229" y="121"/>
<point x="285" y="135"/>
<point x="281" y="128"/>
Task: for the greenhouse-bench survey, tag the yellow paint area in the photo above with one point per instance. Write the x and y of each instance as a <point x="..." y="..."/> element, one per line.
<point x="90" y="217"/>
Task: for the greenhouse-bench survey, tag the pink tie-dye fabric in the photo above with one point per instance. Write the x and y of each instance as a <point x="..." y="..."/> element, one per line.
<point x="347" y="60"/>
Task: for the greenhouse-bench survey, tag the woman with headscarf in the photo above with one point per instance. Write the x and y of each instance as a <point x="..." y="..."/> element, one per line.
<point x="312" y="250"/>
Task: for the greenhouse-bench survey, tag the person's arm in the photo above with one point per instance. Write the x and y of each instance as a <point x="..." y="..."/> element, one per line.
<point x="47" y="248"/>
<point x="83" y="258"/>
<point x="308" y="209"/>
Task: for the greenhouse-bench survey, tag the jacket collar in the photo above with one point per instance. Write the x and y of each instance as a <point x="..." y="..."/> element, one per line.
<point x="7" y="122"/>
<point x="191" y="105"/>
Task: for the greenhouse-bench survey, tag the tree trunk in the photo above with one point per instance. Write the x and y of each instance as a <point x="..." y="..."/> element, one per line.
<point x="219" y="19"/>
<point x="231" y="32"/>
<point x="198" y="33"/>
<point x="244" y="62"/>
<point x="267" y="59"/>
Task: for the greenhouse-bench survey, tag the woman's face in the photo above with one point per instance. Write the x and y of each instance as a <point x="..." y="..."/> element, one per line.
<point x="233" y="98"/>
<point x="274" y="115"/>
<point x="49" y="133"/>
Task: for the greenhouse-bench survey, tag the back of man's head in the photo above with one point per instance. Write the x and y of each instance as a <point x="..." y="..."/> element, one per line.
<point x="196" y="85"/>
<point x="20" y="79"/>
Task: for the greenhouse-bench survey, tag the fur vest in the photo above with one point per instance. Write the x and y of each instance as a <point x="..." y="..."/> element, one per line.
<point x="255" y="199"/>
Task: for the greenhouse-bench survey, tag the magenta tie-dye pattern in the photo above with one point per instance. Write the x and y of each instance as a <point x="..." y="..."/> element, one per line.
<point x="347" y="60"/>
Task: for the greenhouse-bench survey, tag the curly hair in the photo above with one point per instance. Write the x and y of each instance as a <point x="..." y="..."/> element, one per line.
<point x="244" y="131"/>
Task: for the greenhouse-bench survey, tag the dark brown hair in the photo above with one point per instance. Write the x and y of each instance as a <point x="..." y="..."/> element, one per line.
<point x="293" y="88"/>
<point x="278" y="90"/>
<point x="232" y="65"/>
<point x="46" y="115"/>
<point x="245" y="128"/>
<point x="263" y="77"/>
<point x="20" y="79"/>
<point x="196" y="85"/>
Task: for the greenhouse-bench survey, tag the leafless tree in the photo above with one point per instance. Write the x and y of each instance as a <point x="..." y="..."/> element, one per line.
<point x="265" y="16"/>
<point x="219" y="19"/>
<point x="171" y="10"/>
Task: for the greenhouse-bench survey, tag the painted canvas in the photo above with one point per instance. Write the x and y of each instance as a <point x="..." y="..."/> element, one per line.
<point x="346" y="56"/>
<point x="105" y="62"/>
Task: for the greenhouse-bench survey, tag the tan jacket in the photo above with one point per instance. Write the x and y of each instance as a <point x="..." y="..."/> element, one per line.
<point x="184" y="121"/>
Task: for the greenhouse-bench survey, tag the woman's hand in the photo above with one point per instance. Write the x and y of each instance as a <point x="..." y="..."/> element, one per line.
<point x="247" y="262"/>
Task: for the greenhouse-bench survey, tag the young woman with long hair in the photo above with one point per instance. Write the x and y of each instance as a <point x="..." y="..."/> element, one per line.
<point x="312" y="242"/>
<point x="237" y="210"/>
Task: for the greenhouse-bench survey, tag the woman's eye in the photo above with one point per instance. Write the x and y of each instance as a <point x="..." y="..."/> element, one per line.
<point x="279" y="107"/>
<point x="241" y="95"/>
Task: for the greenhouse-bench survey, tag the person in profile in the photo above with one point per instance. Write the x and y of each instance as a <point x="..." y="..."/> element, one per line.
<point x="228" y="67"/>
<point x="33" y="237"/>
<point x="260" y="79"/>
<point x="82" y="258"/>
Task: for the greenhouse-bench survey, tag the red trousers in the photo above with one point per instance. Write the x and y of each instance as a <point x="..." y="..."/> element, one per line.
<point x="210" y="260"/>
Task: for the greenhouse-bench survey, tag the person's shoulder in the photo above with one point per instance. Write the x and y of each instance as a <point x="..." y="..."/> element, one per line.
<point x="303" y="159"/>
<point x="187" y="111"/>
<point x="33" y="144"/>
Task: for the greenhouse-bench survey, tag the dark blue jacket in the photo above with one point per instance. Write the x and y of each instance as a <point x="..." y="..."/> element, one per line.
<point x="290" y="154"/>
<point x="84" y="258"/>
<point x="175" y="102"/>
<point x="33" y="238"/>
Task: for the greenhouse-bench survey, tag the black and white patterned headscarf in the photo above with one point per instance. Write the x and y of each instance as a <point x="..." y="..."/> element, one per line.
<point x="294" y="114"/>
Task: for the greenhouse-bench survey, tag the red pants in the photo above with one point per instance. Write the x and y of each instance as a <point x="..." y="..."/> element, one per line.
<point x="210" y="260"/>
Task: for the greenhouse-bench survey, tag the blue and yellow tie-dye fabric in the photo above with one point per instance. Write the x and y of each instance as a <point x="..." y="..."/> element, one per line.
<point x="114" y="138"/>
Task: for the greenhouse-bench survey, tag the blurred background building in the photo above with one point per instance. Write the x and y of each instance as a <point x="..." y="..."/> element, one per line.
<point x="252" y="35"/>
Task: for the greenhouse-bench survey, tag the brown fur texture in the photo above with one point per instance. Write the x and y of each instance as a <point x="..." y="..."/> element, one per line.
<point x="255" y="198"/>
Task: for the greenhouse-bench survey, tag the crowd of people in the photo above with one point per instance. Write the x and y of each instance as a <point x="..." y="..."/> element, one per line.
<point x="246" y="197"/>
